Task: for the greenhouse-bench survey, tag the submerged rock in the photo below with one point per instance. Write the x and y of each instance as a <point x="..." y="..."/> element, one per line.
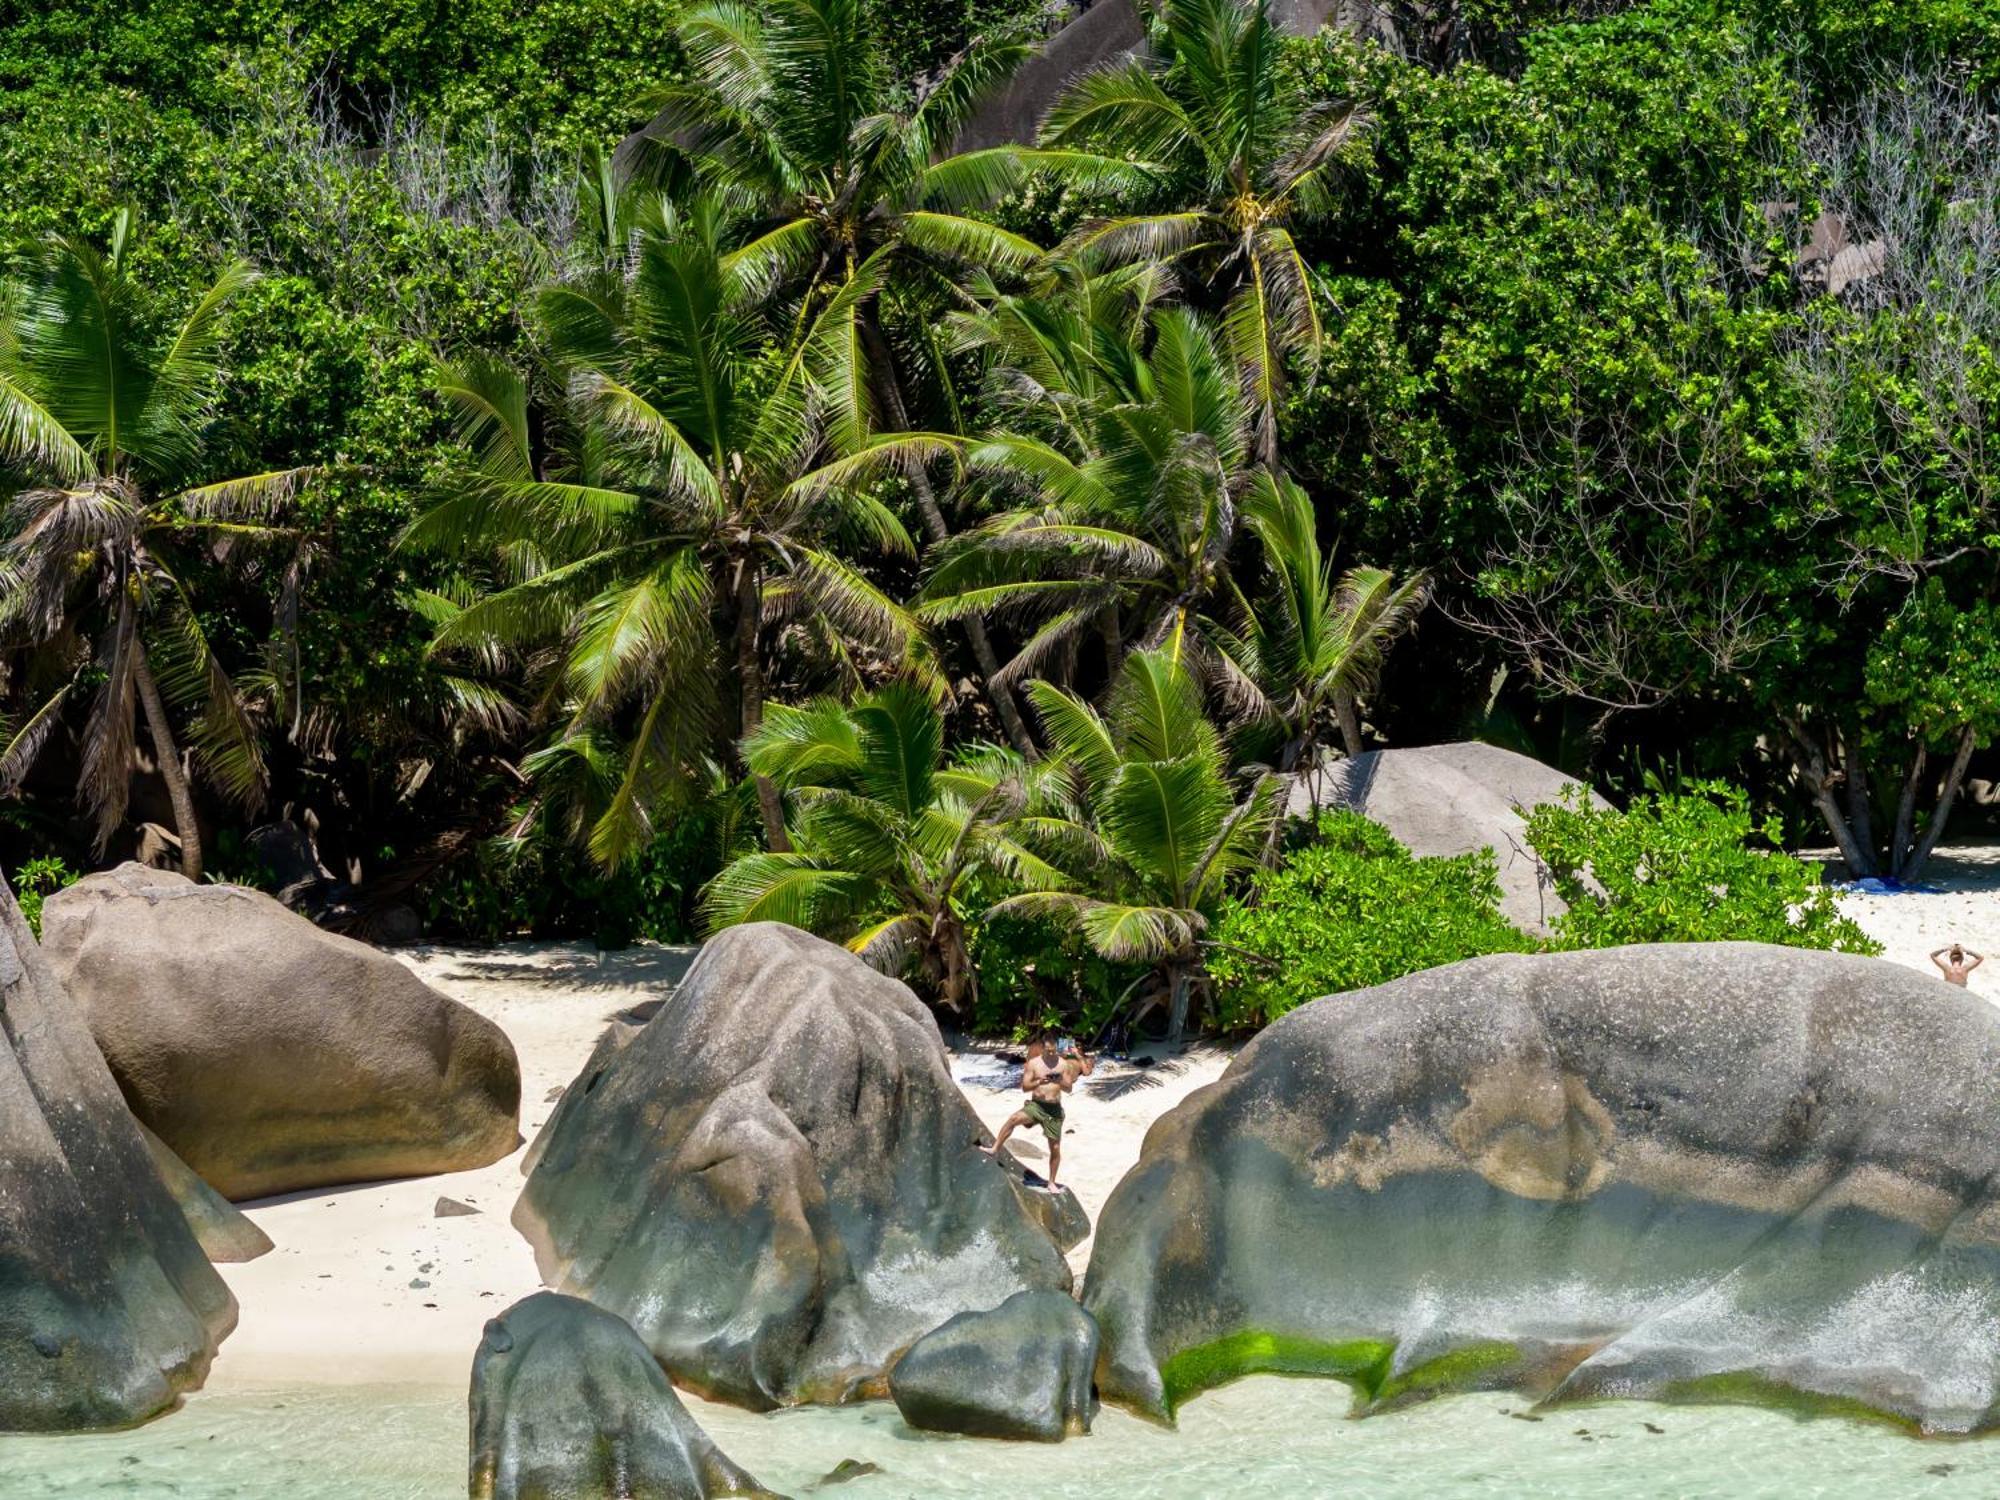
<point x="568" y="1405"/>
<point x="776" y="1181"/>
<point x="1715" y="1171"/>
<point x="269" y="1055"/>
<point x="109" y="1311"/>
<point x="1020" y="1371"/>
<point x="1451" y="799"/>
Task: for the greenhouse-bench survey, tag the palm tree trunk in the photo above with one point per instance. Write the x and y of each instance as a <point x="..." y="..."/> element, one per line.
<point x="168" y="754"/>
<point x="1180" y="981"/>
<point x="750" y="690"/>
<point x="938" y="531"/>
<point x="1348" y="712"/>
<point x="959" y="983"/>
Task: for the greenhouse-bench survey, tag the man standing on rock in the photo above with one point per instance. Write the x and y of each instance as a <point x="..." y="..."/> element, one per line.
<point x="1052" y="1070"/>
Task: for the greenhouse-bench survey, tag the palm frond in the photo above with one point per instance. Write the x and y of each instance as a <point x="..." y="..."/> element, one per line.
<point x="969" y="241"/>
<point x="250" y="497"/>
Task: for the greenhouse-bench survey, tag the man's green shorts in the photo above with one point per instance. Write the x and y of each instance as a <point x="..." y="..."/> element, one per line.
<point x="1048" y="1116"/>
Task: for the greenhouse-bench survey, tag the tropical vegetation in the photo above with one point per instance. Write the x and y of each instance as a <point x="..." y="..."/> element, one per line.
<point x="611" y="470"/>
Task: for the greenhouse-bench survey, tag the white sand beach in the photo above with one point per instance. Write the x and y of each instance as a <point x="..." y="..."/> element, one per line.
<point x="367" y="1285"/>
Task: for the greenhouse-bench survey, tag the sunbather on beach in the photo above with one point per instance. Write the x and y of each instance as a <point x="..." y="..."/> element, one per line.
<point x="1957" y="963"/>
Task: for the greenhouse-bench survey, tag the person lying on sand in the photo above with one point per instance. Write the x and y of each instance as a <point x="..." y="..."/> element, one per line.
<point x="1052" y="1070"/>
<point x="1957" y="963"/>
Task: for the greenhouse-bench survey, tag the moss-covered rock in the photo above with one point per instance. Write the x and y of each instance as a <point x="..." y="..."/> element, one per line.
<point x="1716" y="1171"/>
<point x="568" y="1405"/>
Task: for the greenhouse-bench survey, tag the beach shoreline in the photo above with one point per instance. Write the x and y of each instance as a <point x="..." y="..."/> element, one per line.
<point x="368" y="1285"/>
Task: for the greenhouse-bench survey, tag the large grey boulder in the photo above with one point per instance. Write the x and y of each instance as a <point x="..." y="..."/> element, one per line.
<point x="568" y="1405"/>
<point x="776" y="1181"/>
<point x="269" y="1055"/>
<point x="1021" y="1371"/>
<point x="108" y="1309"/>
<point x="1716" y="1170"/>
<point x="1451" y="799"/>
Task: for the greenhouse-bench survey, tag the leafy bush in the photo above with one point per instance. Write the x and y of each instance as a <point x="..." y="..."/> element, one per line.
<point x="1351" y="909"/>
<point x="35" y="881"/>
<point x="1692" y="867"/>
<point x="1034" y="974"/>
<point x="548" y="887"/>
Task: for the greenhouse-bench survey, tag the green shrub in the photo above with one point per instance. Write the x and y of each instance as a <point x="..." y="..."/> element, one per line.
<point x="1692" y="867"/>
<point x="548" y="887"/>
<point x="1034" y="974"/>
<point x="35" y="881"/>
<point x="1351" y="909"/>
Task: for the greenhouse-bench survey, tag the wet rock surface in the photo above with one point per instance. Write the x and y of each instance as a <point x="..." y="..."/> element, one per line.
<point x="1717" y="1171"/>
<point x="109" y="1311"/>
<point x="269" y="1055"/>
<point x="776" y="1180"/>
<point x="1021" y="1371"/>
<point x="568" y="1405"/>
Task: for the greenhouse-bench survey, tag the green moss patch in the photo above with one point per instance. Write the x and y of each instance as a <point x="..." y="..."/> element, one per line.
<point x="1747" y="1388"/>
<point x="1464" y="1369"/>
<point x="1362" y="1362"/>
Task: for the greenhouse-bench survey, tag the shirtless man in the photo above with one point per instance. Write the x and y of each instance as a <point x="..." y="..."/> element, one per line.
<point x="1957" y="963"/>
<point x="1051" y="1072"/>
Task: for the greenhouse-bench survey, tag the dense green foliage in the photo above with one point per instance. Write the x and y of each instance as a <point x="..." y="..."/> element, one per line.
<point x="1348" y="909"/>
<point x="1690" y="867"/>
<point x="888" y="841"/>
<point x="37" y="880"/>
<point x="1352" y="907"/>
<point x="1651" y="351"/>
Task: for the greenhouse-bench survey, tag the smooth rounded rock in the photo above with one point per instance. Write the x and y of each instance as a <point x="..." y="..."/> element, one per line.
<point x="109" y="1311"/>
<point x="1699" y="1171"/>
<point x="1020" y="1371"/>
<point x="776" y="1181"/>
<point x="1452" y="799"/>
<point x="269" y="1055"/>
<point x="568" y="1405"/>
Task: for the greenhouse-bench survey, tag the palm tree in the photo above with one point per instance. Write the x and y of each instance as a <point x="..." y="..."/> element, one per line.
<point x="1130" y="466"/>
<point x="793" y="114"/>
<point x="1158" y="830"/>
<point x="676" y="526"/>
<point x="889" y="840"/>
<point x="1210" y="104"/>
<point x="1314" y="641"/>
<point x="103" y="428"/>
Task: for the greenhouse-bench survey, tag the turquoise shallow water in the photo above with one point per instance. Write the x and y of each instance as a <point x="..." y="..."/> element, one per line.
<point x="1265" y="1437"/>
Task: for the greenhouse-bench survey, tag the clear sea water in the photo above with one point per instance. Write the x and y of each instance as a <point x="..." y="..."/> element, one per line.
<point x="1266" y="1438"/>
